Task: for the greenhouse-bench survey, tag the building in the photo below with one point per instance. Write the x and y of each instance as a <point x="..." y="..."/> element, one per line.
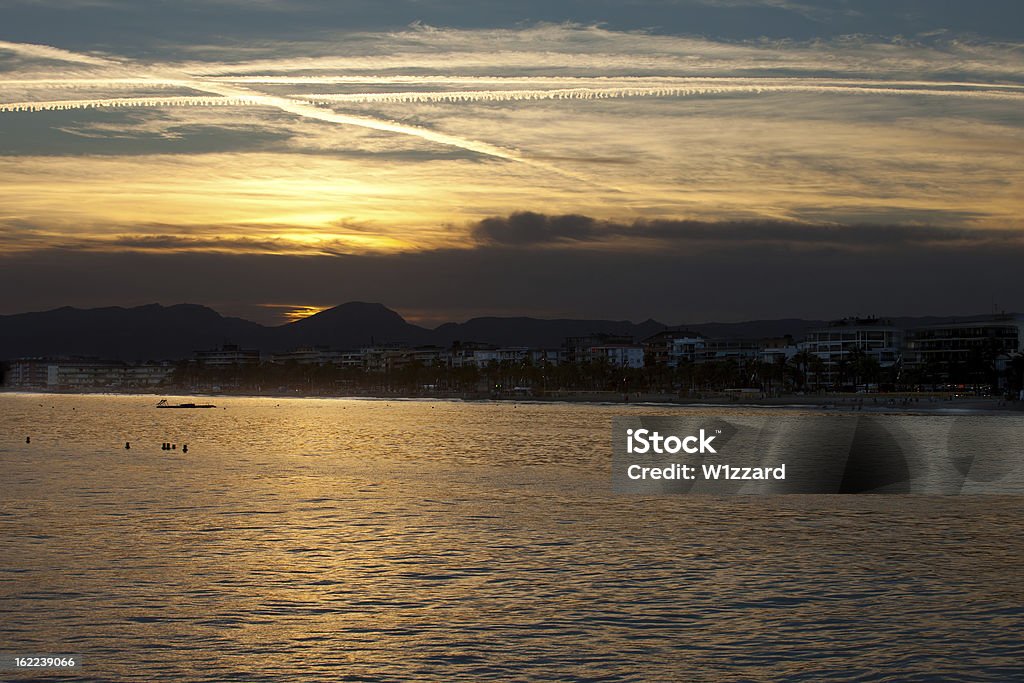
<point x="513" y="355"/>
<point x="577" y="350"/>
<point x="844" y="345"/>
<point x="228" y="355"/>
<point x="79" y="373"/>
<point x="730" y="348"/>
<point x="28" y="372"/>
<point x="383" y="357"/>
<point x="428" y="356"/>
<point x="778" y="350"/>
<point x="148" y="374"/>
<point x="309" y="355"/>
<point x="85" y="373"/>
<point x="540" y="358"/>
<point x="618" y="355"/>
<point x="353" y="359"/>
<point x="973" y="352"/>
<point x="464" y="354"/>
<point x="670" y="348"/>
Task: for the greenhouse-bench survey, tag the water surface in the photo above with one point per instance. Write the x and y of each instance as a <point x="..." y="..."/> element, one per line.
<point x="325" y="540"/>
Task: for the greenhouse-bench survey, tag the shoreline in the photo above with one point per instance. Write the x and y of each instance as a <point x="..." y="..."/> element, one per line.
<point x="899" y="403"/>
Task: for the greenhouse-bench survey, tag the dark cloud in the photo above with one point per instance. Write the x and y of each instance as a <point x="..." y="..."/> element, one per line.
<point x="88" y="23"/>
<point x="673" y="282"/>
<point x="528" y="228"/>
<point x="26" y="238"/>
<point x="184" y="243"/>
<point x="532" y="229"/>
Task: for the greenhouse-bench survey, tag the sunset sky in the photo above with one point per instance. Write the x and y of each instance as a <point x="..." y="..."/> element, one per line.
<point x="687" y="160"/>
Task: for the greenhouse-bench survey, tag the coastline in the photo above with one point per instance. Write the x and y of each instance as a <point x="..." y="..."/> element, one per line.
<point x="897" y="402"/>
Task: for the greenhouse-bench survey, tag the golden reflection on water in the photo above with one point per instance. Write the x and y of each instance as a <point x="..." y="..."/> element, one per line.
<point x="323" y="539"/>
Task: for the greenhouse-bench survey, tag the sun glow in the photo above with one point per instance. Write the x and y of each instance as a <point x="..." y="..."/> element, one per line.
<point x="308" y="152"/>
<point x="294" y="312"/>
<point x="326" y="240"/>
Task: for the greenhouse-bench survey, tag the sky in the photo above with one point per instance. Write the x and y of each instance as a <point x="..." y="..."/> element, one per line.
<point x="686" y="160"/>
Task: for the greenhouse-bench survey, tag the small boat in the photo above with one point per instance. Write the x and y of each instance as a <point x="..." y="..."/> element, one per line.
<point x="164" y="404"/>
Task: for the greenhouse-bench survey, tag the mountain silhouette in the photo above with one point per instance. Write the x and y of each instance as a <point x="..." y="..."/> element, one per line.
<point x="156" y="332"/>
<point x="145" y="332"/>
<point x="352" y="325"/>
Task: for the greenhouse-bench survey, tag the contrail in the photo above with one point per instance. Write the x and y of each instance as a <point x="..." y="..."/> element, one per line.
<point x="294" y="107"/>
<point x="242" y="97"/>
<point x="314" y="112"/>
<point x="228" y="90"/>
<point x="591" y="81"/>
<point x="67" y="83"/>
<point x="618" y="93"/>
<point x="62" y="105"/>
<point x="306" y="105"/>
<point x="303" y="105"/>
<point x="34" y="51"/>
<point x="307" y="110"/>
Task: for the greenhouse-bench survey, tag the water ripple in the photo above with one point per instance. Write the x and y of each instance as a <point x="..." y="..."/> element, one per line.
<point x="446" y="541"/>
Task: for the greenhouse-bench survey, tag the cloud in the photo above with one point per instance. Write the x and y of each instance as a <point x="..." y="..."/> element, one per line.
<point x="238" y="96"/>
<point x="409" y="131"/>
<point x="528" y="229"/>
<point x="672" y="90"/>
<point x="252" y="21"/>
<point x="674" y="284"/>
<point x="48" y="53"/>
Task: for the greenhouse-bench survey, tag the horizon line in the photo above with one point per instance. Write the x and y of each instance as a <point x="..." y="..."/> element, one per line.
<point x="321" y="310"/>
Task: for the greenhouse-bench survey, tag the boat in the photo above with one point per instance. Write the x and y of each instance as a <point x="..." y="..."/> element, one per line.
<point x="164" y="404"/>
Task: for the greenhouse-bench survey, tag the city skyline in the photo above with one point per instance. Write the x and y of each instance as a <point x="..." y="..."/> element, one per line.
<point x="141" y="333"/>
<point x="346" y="354"/>
<point x="738" y="160"/>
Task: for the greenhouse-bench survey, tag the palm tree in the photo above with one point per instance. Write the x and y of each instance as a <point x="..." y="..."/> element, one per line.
<point x="817" y="368"/>
<point x="801" y="362"/>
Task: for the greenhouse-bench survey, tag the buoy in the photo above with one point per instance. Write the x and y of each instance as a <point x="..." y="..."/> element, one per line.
<point x="127" y="445"/>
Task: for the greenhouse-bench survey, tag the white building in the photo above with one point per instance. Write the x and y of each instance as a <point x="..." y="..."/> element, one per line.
<point x="28" y="372"/>
<point x="544" y="357"/>
<point x="148" y="374"/>
<point x="309" y="355"/>
<point x="776" y="355"/>
<point x="844" y="340"/>
<point x="228" y="355"/>
<point x="683" y="350"/>
<point x="82" y="373"/>
<point x="515" y="355"/>
<point x="618" y="355"/>
<point x="966" y="352"/>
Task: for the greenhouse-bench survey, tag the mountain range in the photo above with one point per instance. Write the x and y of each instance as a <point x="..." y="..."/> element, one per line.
<point x="156" y="332"/>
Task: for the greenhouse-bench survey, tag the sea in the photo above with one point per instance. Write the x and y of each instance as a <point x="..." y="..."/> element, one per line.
<point x="396" y="540"/>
